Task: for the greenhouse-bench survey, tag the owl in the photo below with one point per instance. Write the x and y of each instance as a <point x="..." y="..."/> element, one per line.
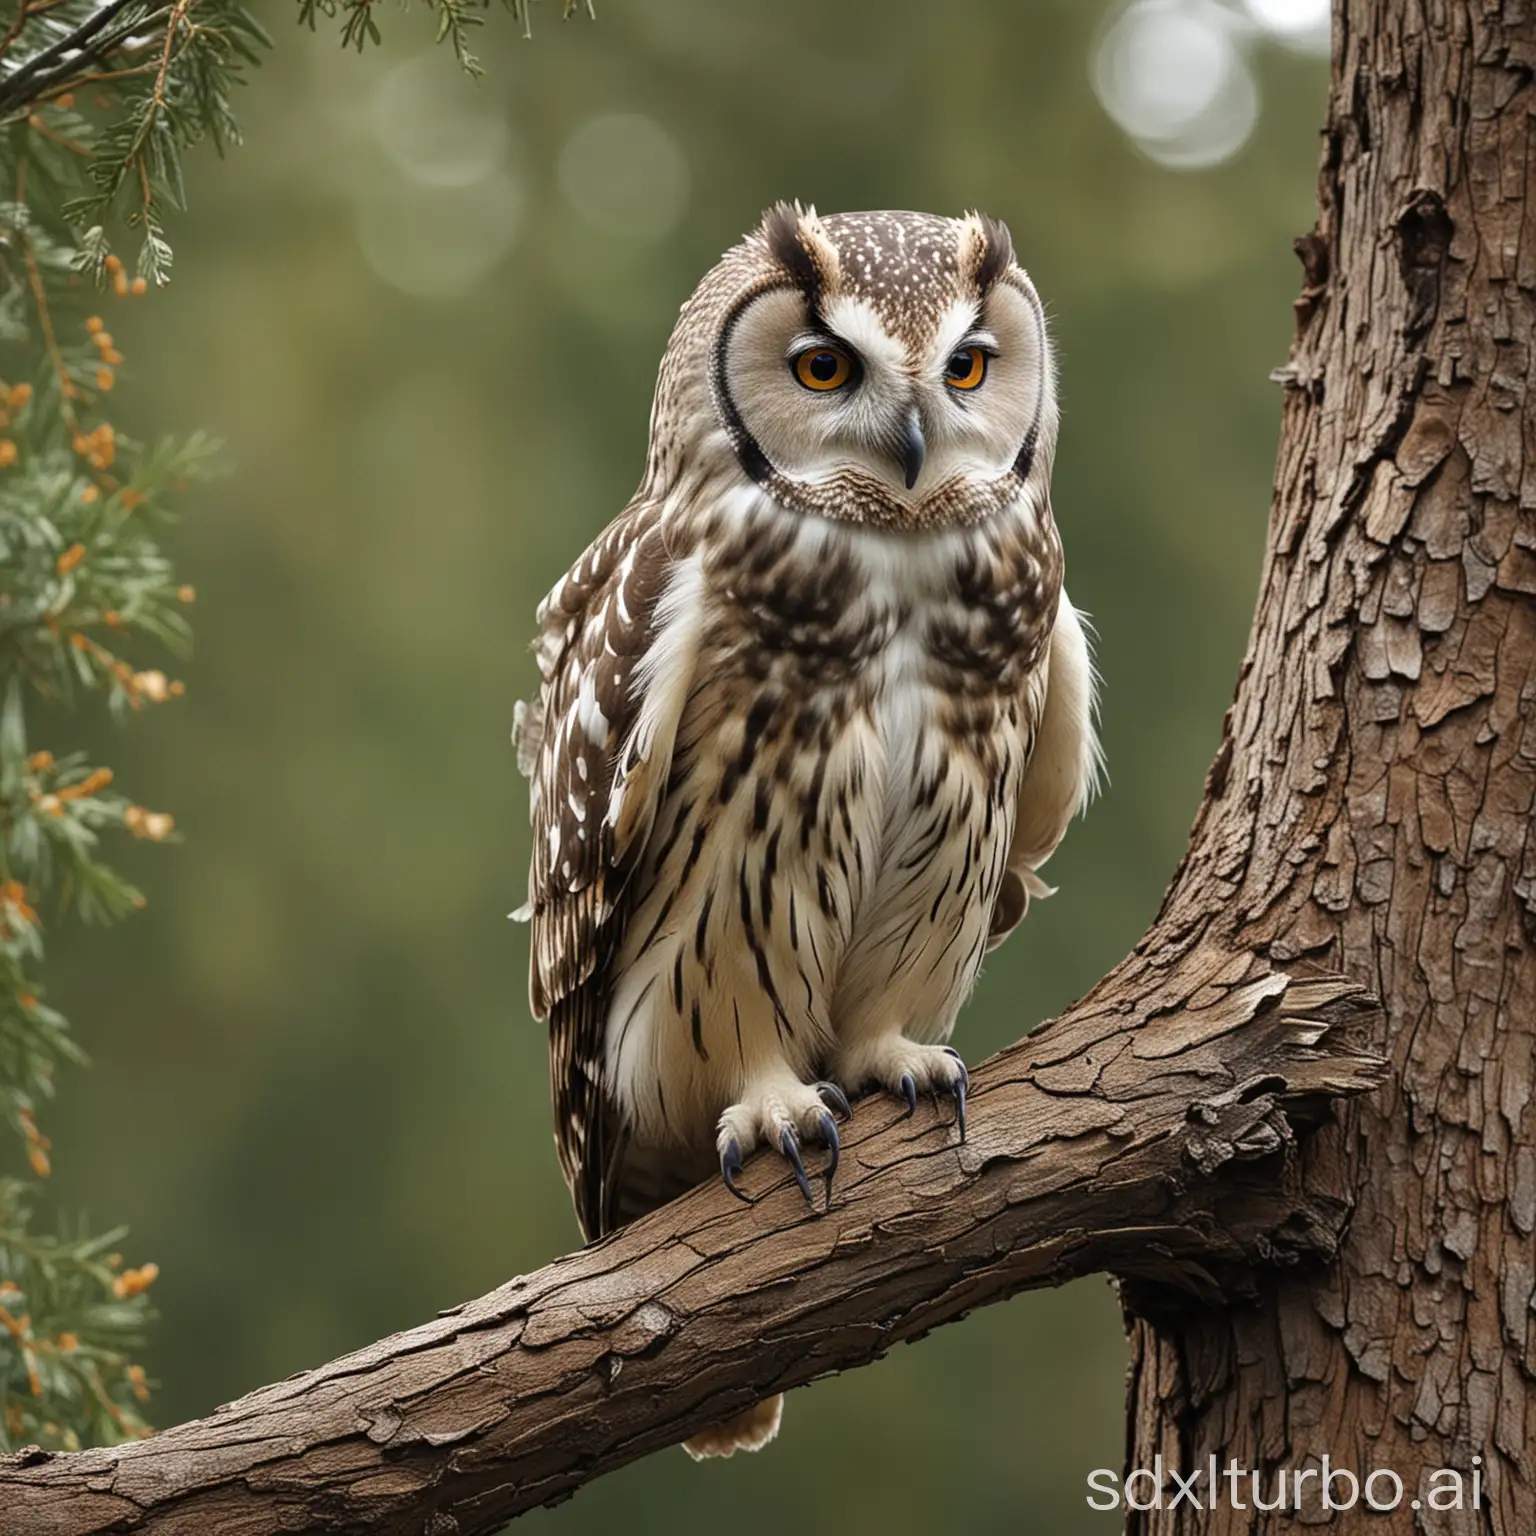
<point x="814" y="710"/>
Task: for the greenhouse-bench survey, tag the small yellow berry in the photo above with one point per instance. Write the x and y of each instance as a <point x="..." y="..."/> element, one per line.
<point x="152" y="685"/>
<point x="97" y="779"/>
<point x="134" y="1282"/>
<point x="154" y="826"/>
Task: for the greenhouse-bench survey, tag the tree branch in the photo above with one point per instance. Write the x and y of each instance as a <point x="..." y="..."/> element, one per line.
<point x="81" y="47"/>
<point x="1149" y="1132"/>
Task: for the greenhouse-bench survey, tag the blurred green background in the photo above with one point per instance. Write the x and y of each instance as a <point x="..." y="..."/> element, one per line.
<point x="425" y="315"/>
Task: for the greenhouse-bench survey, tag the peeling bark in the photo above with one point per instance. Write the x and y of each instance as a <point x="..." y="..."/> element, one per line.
<point x="1373" y="813"/>
<point x="1368" y="816"/>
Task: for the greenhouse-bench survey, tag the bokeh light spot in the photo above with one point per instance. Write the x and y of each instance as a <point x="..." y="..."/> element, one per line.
<point x="435" y="125"/>
<point x="1293" y="21"/>
<point x="437" y="242"/>
<point x="626" y="175"/>
<point x="1170" y="74"/>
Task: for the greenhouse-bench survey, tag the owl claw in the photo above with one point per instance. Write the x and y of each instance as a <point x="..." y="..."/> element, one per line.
<point x="730" y="1167"/>
<point x="961" y="1084"/>
<point x="791" y="1150"/>
<point x="909" y="1092"/>
<point x="834" y="1098"/>
<point x="829" y="1139"/>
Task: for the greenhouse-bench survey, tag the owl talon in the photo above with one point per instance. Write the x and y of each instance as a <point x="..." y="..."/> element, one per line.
<point x="791" y="1150"/>
<point x="834" y="1098"/>
<point x="909" y="1092"/>
<point x="827" y="1126"/>
<point x="959" y="1088"/>
<point x="730" y="1168"/>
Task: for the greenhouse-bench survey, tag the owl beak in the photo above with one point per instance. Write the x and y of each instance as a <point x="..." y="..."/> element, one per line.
<point x="913" y="448"/>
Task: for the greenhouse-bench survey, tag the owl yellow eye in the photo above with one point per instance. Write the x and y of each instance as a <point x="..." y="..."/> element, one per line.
<point x="823" y="368"/>
<point x="966" y="368"/>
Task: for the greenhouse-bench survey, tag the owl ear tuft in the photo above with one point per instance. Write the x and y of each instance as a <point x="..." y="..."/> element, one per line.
<point x="796" y="240"/>
<point x="989" y="251"/>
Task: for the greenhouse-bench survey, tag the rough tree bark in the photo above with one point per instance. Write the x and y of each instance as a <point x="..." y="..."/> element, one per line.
<point x="1368" y="817"/>
<point x="1371" y="804"/>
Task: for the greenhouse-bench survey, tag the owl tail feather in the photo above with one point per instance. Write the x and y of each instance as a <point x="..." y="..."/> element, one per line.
<point x="749" y="1431"/>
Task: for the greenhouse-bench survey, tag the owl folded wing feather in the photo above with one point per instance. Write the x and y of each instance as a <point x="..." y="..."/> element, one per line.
<point x="596" y="746"/>
<point x="1063" y="772"/>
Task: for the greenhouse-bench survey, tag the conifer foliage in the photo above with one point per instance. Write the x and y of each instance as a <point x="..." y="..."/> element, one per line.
<point x="99" y="99"/>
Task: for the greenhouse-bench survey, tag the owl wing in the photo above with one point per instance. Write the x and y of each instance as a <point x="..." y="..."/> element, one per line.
<point x="1062" y="775"/>
<point x="596" y="746"/>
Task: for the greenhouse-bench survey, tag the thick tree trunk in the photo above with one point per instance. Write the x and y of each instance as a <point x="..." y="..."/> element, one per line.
<point x="1371" y="807"/>
<point x="1369" y="817"/>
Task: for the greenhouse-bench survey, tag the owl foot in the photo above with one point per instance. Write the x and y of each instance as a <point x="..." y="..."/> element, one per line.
<point x="785" y="1118"/>
<point x="905" y="1068"/>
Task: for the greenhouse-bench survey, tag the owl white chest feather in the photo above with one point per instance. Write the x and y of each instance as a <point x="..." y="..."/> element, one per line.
<point x="920" y="932"/>
<point x="907" y="580"/>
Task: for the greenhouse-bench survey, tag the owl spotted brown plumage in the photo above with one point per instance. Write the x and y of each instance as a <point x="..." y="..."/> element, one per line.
<point x="814" y="711"/>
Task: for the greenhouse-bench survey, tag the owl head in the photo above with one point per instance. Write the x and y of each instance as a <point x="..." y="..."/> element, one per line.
<point x="888" y="368"/>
